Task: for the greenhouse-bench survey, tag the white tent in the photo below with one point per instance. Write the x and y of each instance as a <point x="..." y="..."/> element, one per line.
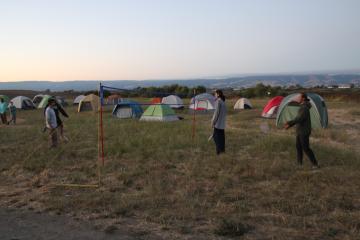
<point x="127" y="109"/>
<point x="37" y="99"/>
<point x="203" y="96"/>
<point x="89" y="103"/>
<point x="243" y="103"/>
<point x="204" y="102"/>
<point x="22" y="102"/>
<point x="78" y="99"/>
<point x="173" y="101"/>
<point x="202" y="105"/>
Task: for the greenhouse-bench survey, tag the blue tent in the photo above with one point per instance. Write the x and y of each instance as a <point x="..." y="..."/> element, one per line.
<point x="127" y="109"/>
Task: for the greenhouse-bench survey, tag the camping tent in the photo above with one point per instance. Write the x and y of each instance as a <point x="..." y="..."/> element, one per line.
<point x="44" y="101"/>
<point x="243" y="103"/>
<point x="113" y="99"/>
<point x="78" y="99"/>
<point x="203" y="96"/>
<point x="173" y="101"/>
<point x="204" y="102"/>
<point x="159" y="112"/>
<point x="5" y="98"/>
<point x="203" y="105"/>
<point x="37" y="99"/>
<point x="89" y="103"/>
<point x="127" y="109"/>
<point x="271" y="107"/>
<point x="289" y="108"/>
<point x="22" y="102"/>
<point x="61" y="100"/>
<point x="156" y="100"/>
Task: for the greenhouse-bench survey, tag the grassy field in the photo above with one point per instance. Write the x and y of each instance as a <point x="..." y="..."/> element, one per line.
<point x="159" y="181"/>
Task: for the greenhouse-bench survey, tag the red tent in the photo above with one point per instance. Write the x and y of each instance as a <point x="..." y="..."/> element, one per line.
<point x="156" y="100"/>
<point x="270" y="110"/>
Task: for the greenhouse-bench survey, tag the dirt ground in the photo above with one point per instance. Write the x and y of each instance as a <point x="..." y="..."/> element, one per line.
<point x="23" y="225"/>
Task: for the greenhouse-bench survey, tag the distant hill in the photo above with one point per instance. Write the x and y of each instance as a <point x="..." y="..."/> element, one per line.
<point x="306" y="80"/>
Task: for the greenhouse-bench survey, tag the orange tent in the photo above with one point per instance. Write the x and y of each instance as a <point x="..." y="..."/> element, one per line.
<point x="156" y="100"/>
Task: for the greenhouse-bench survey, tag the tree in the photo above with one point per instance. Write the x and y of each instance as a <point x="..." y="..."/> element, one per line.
<point x="260" y="90"/>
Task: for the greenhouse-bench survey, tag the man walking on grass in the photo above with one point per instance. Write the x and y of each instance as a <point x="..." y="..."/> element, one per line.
<point x="303" y="131"/>
<point x="51" y="124"/>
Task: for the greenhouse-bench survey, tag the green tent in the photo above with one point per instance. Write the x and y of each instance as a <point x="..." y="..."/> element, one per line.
<point x="289" y="108"/>
<point x="44" y="101"/>
<point x="159" y="112"/>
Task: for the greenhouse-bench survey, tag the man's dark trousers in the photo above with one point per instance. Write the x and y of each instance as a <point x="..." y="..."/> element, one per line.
<point x="302" y="145"/>
<point x="219" y="139"/>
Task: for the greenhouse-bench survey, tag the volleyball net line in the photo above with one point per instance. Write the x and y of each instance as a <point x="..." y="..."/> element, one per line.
<point x="127" y="100"/>
<point x="101" y="152"/>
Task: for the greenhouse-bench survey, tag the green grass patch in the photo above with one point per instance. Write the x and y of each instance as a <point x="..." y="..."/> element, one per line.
<point x="157" y="173"/>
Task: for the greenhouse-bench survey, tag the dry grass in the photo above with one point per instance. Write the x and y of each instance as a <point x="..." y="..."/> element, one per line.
<point x="158" y="181"/>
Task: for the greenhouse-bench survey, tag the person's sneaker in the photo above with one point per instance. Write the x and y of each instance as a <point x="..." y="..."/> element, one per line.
<point x="315" y="167"/>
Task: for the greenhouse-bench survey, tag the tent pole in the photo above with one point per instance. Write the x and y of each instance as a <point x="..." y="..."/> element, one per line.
<point x="194" y="119"/>
<point x="101" y="126"/>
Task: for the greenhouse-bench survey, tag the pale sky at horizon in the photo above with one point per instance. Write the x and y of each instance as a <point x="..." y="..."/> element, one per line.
<point x="175" y="39"/>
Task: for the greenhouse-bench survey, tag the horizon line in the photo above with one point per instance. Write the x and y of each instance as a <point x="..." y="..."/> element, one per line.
<point x="223" y="76"/>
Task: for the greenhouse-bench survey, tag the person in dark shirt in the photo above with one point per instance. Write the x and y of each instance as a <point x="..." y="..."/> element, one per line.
<point x="303" y="131"/>
<point x="59" y="109"/>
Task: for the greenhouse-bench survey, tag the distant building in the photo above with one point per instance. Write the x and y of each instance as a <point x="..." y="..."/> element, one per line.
<point x="344" y="86"/>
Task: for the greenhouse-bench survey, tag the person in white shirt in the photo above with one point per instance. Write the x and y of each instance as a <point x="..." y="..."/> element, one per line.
<point x="51" y="123"/>
<point x="218" y="122"/>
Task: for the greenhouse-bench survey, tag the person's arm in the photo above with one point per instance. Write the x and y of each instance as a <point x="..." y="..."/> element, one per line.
<point x="301" y="116"/>
<point x="216" y="113"/>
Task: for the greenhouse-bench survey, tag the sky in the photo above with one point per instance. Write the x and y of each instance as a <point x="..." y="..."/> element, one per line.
<point x="175" y="39"/>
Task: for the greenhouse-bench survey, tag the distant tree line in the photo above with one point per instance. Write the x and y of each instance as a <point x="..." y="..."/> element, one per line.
<point x="261" y="90"/>
<point x="149" y="92"/>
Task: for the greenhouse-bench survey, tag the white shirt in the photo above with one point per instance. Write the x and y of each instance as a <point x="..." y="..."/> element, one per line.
<point x="219" y="117"/>
<point x="50" y="118"/>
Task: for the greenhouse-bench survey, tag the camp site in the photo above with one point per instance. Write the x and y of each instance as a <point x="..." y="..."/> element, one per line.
<point x="160" y="171"/>
<point x="180" y="120"/>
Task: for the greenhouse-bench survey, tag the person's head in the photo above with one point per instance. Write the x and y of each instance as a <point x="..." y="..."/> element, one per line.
<point x="52" y="102"/>
<point x="303" y="97"/>
<point x="11" y="103"/>
<point x="219" y="94"/>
